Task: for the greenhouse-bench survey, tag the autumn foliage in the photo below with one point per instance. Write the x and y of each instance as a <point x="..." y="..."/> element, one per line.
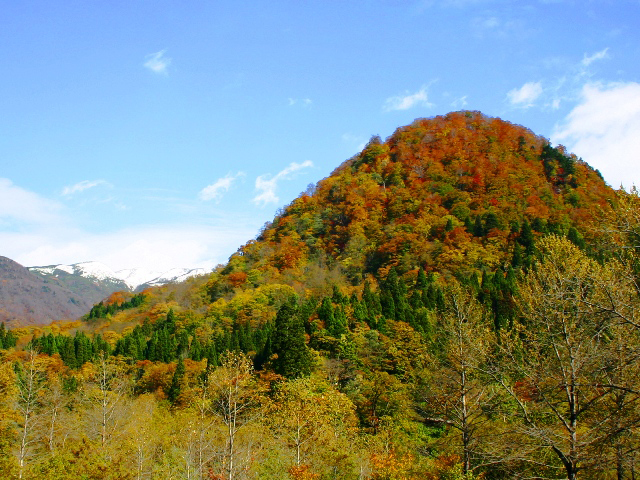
<point x="457" y="302"/>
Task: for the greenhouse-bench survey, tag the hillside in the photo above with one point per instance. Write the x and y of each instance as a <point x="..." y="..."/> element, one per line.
<point x="96" y="280"/>
<point x="41" y="295"/>
<point x="450" y="194"/>
<point x="26" y="298"/>
<point x="458" y="301"/>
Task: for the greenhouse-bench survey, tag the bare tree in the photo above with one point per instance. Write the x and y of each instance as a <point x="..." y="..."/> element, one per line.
<point x="107" y="395"/>
<point x="30" y="382"/>
<point x="456" y="391"/>
<point x="572" y="369"/>
<point x="235" y="403"/>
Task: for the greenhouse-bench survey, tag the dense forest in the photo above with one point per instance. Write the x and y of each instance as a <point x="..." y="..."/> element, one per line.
<point x="456" y="302"/>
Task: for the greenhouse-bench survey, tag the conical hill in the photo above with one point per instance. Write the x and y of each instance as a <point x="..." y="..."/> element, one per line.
<point x="451" y="194"/>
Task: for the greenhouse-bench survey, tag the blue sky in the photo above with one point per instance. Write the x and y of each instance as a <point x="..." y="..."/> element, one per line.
<point x="158" y="134"/>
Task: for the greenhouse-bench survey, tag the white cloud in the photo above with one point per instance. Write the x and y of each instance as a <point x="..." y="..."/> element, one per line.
<point x="217" y="189"/>
<point x="152" y="247"/>
<point x="485" y="23"/>
<point x="304" y="102"/>
<point x="603" y="130"/>
<point x="526" y="95"/>
<point x="586" y="60"/>
<point x="157" y="62"/>
<point x="37" y="231"/>
<point x="82" y="186"/>
<point x="267" y="186"/>
<point x="407" y="101"/>
<point x="23" y="206"/>
<point x="460" y="102"/>
<point x="358" y="140"/>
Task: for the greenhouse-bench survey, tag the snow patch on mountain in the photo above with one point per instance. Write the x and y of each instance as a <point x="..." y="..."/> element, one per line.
<point x="95" y="270"/>
<point x="175" y="275"/>
<point x="134" y="277"/>
<point x="131" y="277"/>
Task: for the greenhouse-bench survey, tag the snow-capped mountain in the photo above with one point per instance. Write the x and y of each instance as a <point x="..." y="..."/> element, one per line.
<point x="137" y="278"/>
<point x="128" y="279"/>
<point x="174" y="275"/>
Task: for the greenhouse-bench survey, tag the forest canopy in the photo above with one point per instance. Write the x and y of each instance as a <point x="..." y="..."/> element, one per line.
<point x="459" y="301"/>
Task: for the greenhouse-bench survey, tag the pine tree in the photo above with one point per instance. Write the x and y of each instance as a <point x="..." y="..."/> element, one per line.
<point x="516" y="260"/>
<point x="574" y="237"/>
<point x="421" y="281"/>
<point x="294" y="358"/>
<point x="527" y="239"/>
<point x="176" y="381"/>
<point x="371" y="300"/>
<point x="195" y="351"/>
<point x="326" y="314"/>
<point x="478" y="229"/>
<point x="340" y="326"/>
<point x="388" y="305"/>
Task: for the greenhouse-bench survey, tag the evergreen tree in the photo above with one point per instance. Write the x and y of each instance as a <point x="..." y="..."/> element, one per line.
<point x="527" y="239"/>
<point x="176" y="381"/>
<point x="340" y="325"/>
<point x="421" y="281"/>
<point x="388" y="305"/>
<point x="360" y="313"/>
<point x="170" y="321"/>
<point x="337" y="297"/>
<point x="478" y="229"/>
<point x="294" y="358"/>
<point x="578" y="240"/>
<point x="449" y="226"/>
<point x="491" y="221"/>
<point x="211" y="354"/>
<point x="371" y="300"/>
<point x="326" y="314"/>
<point x="468" y="225"/>
<point x="516" y="260"/>
<point x="196" y="350"/>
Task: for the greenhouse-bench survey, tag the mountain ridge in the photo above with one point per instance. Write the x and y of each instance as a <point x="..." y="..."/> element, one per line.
<point x="43" y="294"/>
<point x="26" y="298"/>
<point x="131" y="279"/>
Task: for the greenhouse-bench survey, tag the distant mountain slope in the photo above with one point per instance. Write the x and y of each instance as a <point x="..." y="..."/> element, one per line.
<point x="87" y="275"/>
<point x="26" y="298"/>
<point x="41" y="295"/>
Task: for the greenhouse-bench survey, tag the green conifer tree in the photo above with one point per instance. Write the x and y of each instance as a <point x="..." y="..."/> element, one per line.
<point x="176" y="381"/>
<point x="327" y="315"/>
<point x="294" y="358"/>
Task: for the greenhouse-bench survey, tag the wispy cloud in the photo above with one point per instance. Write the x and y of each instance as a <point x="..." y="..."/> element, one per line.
<point x="217" y="189"/>
<point x="359" y="140"/>
<point x="266" y="186"/>
<point x="303" y="102"/>
<point x="481" y="25"/>
<point x="157" y="62"/>
<point x="460" y="102"/>
<point x="565" y="86"/>
<point x="408" y="100"/>
<point x="526" y="95"/>
<point x="603" y="129"/>
<point x="588" y="60"/>
<point x="153" y="247"/>
<point x="22" y="206"/>
<point x="35" y="230"/>
<point x="82" y="186"/>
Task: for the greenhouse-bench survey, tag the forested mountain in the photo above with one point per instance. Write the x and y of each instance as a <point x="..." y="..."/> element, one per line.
<point x="459" y="301"/>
